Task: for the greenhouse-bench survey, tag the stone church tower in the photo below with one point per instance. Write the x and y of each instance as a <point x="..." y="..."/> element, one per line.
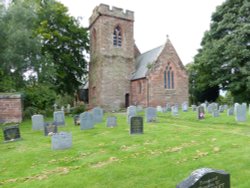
<point x="111" y="57"/>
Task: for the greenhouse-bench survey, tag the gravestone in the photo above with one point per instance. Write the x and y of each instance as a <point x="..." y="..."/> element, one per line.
<point x="185" y="107"/>
<point x="150" y="114"/>
<point x="49" y="128"/>
<point x="97" y="114"/>
<point x="201" y="112"/>
<point x="68" y="108"/>
<point x="86" y="121"/>
<point x="136" y="125"/>
<point x="221" y="108"/>
<point x="168" y="107"/>
<point x="216" y="113"/>
<point x="11" y="133"/>
<point x="230" y="112"/>
<point x="37" y="122"/>
<point x="55" y="107"/>
<point x="241" y="112"/>
<point x="205" y="105"/>
<point x="194" y="108"/>
<point x="77" y="119"/>
<point x="111" y="121"/>
<point x="174" y="110"/>
<point x="139" y="108"/>
<point x="206" y="178"/>
<point x="62" y="140"/>
<point x="159" y="109"/>
<point x="131" y="111"/>
<point x="59" y="118"/>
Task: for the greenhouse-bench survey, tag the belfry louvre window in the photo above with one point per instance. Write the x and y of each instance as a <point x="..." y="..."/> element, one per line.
<point x="168" y="78"/>
<point x="117" y="36"/>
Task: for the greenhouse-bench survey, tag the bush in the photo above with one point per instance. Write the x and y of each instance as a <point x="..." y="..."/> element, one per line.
<point x="38" y="99"/>
<point x="79" y="109"/>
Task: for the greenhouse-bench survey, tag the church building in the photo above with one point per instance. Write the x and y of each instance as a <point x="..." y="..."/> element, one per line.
<point x="119" y="75"/>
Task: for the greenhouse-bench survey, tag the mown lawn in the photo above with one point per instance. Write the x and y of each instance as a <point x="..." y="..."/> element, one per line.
<point x="168" y="151"/>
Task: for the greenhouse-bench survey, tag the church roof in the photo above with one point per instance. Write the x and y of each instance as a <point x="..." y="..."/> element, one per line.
<point x="144" y="60"/>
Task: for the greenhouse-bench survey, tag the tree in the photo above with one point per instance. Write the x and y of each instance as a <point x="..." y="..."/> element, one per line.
<point x="65" y="42"/>
<point x="224" y="60"/>
<point x="19" y="49"/>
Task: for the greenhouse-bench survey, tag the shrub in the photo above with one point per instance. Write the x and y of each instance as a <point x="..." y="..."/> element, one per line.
<point x="38" y="99"/>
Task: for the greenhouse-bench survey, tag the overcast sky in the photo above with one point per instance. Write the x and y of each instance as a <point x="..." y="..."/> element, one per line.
<point x="185" y="21"/>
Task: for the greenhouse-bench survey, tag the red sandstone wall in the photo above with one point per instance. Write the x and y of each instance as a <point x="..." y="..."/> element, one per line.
<point x="158" y="95"/>
<point x="10" y="108"/>
<point x="110" y="67"/>
<point x="153" y="92"/>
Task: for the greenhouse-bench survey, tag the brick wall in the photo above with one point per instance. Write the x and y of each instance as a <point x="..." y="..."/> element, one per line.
<point x="10" y="108"/>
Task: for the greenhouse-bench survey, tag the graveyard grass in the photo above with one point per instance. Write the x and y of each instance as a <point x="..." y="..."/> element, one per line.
<point x="168" y="151"/>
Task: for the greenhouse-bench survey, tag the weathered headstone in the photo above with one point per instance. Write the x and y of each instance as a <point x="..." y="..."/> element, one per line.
<point x="206" y="178"/>
<point x="159" y="109"/>
<point x="62" y="140"/>
<point x="136" y="125"/>
<point x="230" y="112"/>
<point x="111" y="121"/>
<point x="131" y="111"/>
<point x="97" y="114"/>
<point x="139" y="108"/>
<point x="205" y="105"/>
<point x="241" y="112"/>
<point x="194" y="108"/>
<point x="216" y="113"/>
<point x="86" y="121"/>
<point x="59" y="118"/>
<point x="174" y="110"/>
<point x="68" y="108"/>
<point x="201" y="112"/>
<point x="168" y="107"/>
<point x="37" y="122"/>
<point x="221" y="108"/>
<point x="55" y="107"/>
<point x="185" y="107"/>
<point x="150" y="114"/>
<point x="49" y="128"/>
<point x="77" y="119"/>
<point x="11" y="133"/>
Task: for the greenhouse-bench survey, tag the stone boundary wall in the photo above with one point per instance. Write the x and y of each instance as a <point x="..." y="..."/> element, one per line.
<point x="11" y="109"/>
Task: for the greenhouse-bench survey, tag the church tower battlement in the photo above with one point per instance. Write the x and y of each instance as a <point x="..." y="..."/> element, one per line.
<point x="106" y="10"/>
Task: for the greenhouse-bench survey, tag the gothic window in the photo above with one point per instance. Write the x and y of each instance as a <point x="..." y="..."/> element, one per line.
<point x="168" y="78"/>
<point x="117" y="37"/>
<point x="139" y="87"/>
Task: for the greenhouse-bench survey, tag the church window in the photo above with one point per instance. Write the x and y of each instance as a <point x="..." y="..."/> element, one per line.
<point x="139" y="87"/>
<point x="168" y="78"/>
<point x="117" y="37"/>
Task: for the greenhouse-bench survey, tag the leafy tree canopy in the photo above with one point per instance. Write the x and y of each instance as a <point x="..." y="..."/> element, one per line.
<point x="66" y="42"/>
<point x="223" y="62"/>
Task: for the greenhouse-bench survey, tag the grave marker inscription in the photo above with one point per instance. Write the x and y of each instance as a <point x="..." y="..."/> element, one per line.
<point x="136" y="125"/>
<point x="11" y="133"/>
<point x="206" y="178"/>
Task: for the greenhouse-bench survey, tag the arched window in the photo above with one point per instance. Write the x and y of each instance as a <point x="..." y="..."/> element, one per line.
<point x="117" y="36"/>
<point x="139" y="87"/>
<point x="169" y="78"/>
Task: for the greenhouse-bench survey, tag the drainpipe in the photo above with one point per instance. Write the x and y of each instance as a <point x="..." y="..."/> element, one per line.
<point x="147" y="92"/>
